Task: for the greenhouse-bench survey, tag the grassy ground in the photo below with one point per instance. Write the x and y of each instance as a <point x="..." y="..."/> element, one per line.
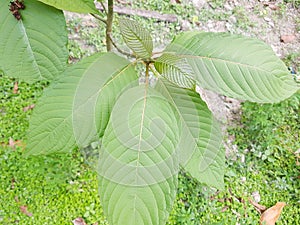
<point x="59" y="188"/>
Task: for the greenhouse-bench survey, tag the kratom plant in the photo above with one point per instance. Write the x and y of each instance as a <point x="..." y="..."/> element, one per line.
<point x="149" y="124"/>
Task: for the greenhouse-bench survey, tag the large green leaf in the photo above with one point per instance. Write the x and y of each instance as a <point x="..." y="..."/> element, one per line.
<point x="35" y="46"/>
<point x="175" y="69"/>
<point x="79" y="6"/>
<point x="199" y="149"/>
<point x="138" y="163"/>
<point x="137" y="38"/>
<point x="236" y="66"/>
<point x="81" y="99"/>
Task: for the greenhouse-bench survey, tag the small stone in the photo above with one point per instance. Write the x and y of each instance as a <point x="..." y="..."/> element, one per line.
<point x="228" y="7"/>
<point x="232" y="19"/>
<point x="185" y="25"/>
<point x="271" y="24"/>
<point x="242" y="158"/>
<point x="256" y="196"/>
<point x="287" y="38"/>
<point x="199" y="3"/>
<point x="267" y="19"/>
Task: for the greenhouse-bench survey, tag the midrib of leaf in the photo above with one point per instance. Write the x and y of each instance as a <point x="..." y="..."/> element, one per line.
<point x="115" y="76"/>
<point x="30" y="48"/>
<point x="100" y="90"/>
<point x="239" y="65"/>
<point x="218" y="59"/>
<point x="139" y="148"/>
<point x="139" y="39"/>
<point x="142" y="125"/>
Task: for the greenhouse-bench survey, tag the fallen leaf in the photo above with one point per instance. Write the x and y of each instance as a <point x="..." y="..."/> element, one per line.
<point x="287" y="38"/>
<point x="13" y="181"/>
<point x="271" y="215"/>
<point x="271" y="5"/>
<point x="25" y="109"/>
<point x="13" y="144"/>
<point x="224" y="208"/>
<point x="24" y="210"/>
<point x="79" y="221"/>
<point x="16" y="88"/>
<point x="17" y="199"/>
<point x="258" y="207"/>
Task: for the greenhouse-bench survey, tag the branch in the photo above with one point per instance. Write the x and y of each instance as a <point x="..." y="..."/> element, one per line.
<point x="103" y="6"/>
<point x="109" y="21"/>
<point x="120" y="50"/>
<point x="99" y="18"/>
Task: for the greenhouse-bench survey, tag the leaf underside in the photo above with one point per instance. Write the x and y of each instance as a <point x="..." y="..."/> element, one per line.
<point x="199" y="148"/>
<point x="175" y="69"/>
<point x="235" y="66"/>
<point x="138" y="163"/>
<point x="34" y="47"/>
<point x="52" y="126"/>
<point x="137" y="38"/>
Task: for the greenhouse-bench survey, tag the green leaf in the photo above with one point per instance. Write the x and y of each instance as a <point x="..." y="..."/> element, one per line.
<point x="79" y="6"/>
<point x="137" y="38"/>
<point x="199" y="149"/>
<point x="235" y="66"/>
<point x="138" y="163"/>
<point x="76" y="108"/>
<point x="175" y="69"/>
<point x="34" y="47"/>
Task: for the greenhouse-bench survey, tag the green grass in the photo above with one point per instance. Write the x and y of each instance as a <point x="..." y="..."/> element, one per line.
<point x="57" y="188"/>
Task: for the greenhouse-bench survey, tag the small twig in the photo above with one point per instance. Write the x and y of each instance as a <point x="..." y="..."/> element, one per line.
<point x="120" y="50"/>
<point x="259" y="208"/>
<point x="98" y="18"/>
<point x="103" y="6"/>
<point x="154" y="71"/>
<point x="147" y="73"/>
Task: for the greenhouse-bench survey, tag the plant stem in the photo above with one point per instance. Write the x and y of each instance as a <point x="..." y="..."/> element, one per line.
<point x="147" y="73"/>
<point x="110" y="15"/>
<point x="103" y="6"/>
<point x="120" y="50"/>
<point x="99" y="18"/>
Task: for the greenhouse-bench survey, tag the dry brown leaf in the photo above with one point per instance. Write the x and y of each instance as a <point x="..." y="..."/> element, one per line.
<point x="258" y="207"/>
<point x="13" y="181"/>
<point x="287" y="38"/>
<point x="271" y="215"/>
<point x="13" y="144"/>
<point x="224" y="208"/>
<point x="16" y="88"/>
<point x="17" y="199"/>
<point x="24" y="210"/>
<point x="79" y="221"/>
<point x="25" y="109"/>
